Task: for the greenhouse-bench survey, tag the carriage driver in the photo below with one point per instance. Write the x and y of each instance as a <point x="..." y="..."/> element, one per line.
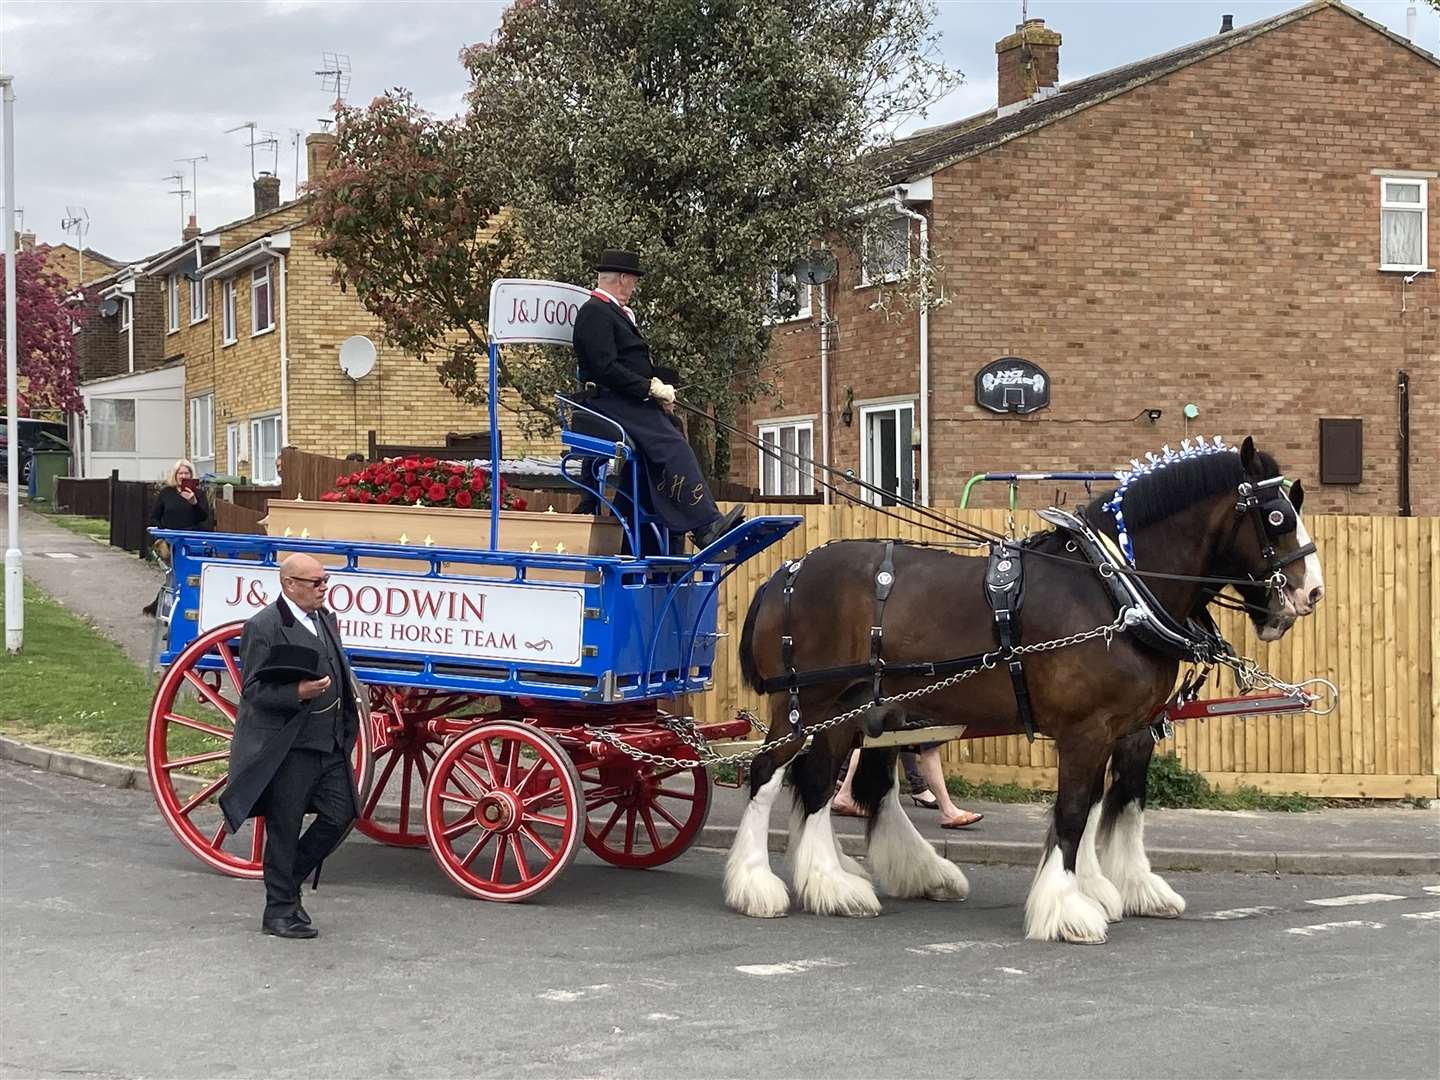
<point x="613" y="354"/>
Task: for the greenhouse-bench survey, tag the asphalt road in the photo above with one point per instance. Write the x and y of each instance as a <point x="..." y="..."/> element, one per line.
<point x="122" y="956"/>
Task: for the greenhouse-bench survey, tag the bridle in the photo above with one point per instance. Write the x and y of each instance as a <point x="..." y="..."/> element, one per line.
<point x="1266" y="504"/>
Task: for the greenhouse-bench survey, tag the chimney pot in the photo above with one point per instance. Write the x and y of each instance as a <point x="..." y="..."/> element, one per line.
<point x="1027" y="62"/>
<point x="1227" y="23"/>
<point x="25" y="241"/>
<point x="319" y="155"/>
<point x="191" y="231"/>
<point x="267" y="192"/>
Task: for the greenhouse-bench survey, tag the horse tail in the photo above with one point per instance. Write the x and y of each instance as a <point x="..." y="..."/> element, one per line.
<point x="748" y="671"/>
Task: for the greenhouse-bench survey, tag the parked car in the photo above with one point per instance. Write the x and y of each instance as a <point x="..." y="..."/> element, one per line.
<point x="32" y="434"/>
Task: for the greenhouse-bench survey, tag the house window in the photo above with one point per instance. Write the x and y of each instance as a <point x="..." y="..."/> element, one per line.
<point x="198" y="301"/>
<point x="886" y="250"/>
<point x="112" y="425"/>
<point x="886" y="458"/>
<point x="786" y="464"/>
<point x="260" y="299"/>
<point x="124" y="313"/>
<point x="227" y="307"/>
<point x="172" y="303"/>
<point x="1403" y="223"/>
<point x="202" y="431"/>
<point x="232" y="450"/>
<point x="790" y="296"/>
<point x="265" y="441"/>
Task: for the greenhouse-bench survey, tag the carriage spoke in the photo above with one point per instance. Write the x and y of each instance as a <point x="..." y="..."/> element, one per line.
<point x="199" y="725"/>
<point x="671" y="793"/>
<point x="405" y="796"/>
<point x="196" y="759"/>
<point x="491" y="765"/>
<point x="603" y="833"/>
<point x="526" y="779"/>
<point x="218" y="838"/>
<point x="518" y="850"/>
<point x="461" y="826"/>
<point x="210" y="693"/>
<point x="471" y="775"/>
<point x="461" y="800"/>
<point x="559" y="822"/>
<point x="677" y="826"/>
<point x="479" y="846"/>
<point x="379" y="788"/>
<point x="204" y="794"/>
<point x="535" y="839"/>
<point x="650" y="827"/>
<point x="257" y="840"/>
<point x="227" y="654"/>
<point x="497" y="866"/>
<point x="630" y="829"/>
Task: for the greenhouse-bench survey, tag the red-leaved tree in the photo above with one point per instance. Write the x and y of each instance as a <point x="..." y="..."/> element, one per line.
<point x="45" y="346"/>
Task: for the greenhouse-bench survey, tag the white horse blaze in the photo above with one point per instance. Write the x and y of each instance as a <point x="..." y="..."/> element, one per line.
<point x="1310" y="576"/>
<point x="1123" y="861"/>
<point x="1057" y="910"/>
<point x="905" y="864"/>
<point x="821" y="884"/>
<point x="751" y="887"/>
<point x="1092" y="881"/>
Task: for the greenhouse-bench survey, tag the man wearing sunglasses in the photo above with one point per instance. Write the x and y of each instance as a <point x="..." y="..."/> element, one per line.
<point x="296" y="728"/>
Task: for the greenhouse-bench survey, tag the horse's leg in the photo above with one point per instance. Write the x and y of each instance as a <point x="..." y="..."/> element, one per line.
<point x="1056" y="909"/>
<point x="905" y="863"/>
<point x="1122" y="833"/>
<point x="822" y="884"/>
<point x="751" y="887"/>
<point x="1088" y="874"/>
<point x="797" y="825"/>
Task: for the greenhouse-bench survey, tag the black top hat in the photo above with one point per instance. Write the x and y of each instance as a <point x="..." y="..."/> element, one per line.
<point x="620" y="262"/>
<point x="290" y="663"/>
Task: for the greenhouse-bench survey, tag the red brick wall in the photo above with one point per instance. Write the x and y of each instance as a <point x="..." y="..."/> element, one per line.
<point x="1212" y="237"/>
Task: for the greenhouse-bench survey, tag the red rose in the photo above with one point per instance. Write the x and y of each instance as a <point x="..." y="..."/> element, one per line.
<point x="397" y="489"/>
<point x="412" y="493"/>
<point x="519" y="504"/>
<point x="454" y="483"/>
<point x="330" y="496"/>
<point x="477" y="482"/>
<point x="366" y="497"/>
<point x="409" y="476"/>
<point x="383" y="498"/>
<point x="436" y="493"/>
<point x="463" y="500"/>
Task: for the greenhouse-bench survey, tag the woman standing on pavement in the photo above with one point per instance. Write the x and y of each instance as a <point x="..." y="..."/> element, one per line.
<point x="181" y="505"/>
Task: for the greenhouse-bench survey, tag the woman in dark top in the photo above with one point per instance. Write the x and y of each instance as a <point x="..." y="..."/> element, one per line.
<point x="181" y="505"/>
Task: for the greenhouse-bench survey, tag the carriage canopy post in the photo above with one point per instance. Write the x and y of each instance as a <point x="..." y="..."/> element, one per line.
<point x="523" y="311"/>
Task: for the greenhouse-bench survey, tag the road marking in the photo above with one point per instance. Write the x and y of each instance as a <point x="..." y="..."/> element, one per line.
<point x="1325" y="927"/>
<point x="1423" y="915"/>
<point x="662" y="1016"/>
<point x="1240" y="912"/>
<point x="570" y="995"/>
<point x="1358" y="898"/>
<point x="1011" y="971"/>
<point x="60" y="555"/>
<point x="945" y="948"/>
<point x="1432" y="889"/>
<point x="793" y="967"/>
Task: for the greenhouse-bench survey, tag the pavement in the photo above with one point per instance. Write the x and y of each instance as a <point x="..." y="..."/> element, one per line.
<point x="122" y="956"/>
<point x="108" y="587"/>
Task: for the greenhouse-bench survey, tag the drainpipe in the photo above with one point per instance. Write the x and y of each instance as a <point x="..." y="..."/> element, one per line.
<point x="824" y="390"/>
<point x="284" y="364"/>
<point x="924" y="344"/>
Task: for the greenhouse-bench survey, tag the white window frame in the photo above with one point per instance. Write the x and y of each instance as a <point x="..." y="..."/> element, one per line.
<point x="199" y="301"/>
<point x="232" y="449"/>
<point x="868" y="471"/>
<point x="228" y="328"/>
<point x="124" y="313"/>
<point x="202" y="423"/>
<point x="172" y="303"/>
<point x="865" y="245"/>
<point x="772" y="470"/>
<point x="262" y="465"/>
<point x="1389" y="206"/>
<point x="803" y="296"/>
<point x="258" y="277"/>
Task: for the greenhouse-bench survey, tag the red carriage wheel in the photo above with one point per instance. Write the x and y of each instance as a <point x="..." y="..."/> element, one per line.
<point x="503" y="810"/>
<point x="405" y="755"/>
<point x="194" y="729"/>
<point x="640" y="815"/>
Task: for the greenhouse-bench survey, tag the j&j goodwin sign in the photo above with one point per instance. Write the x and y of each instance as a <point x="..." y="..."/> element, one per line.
<point x="413" y="614"/>
<point x="1011" y="384"/>
<point x="522" y="310"/>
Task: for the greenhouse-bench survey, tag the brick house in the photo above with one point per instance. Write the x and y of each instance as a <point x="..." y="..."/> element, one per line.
<point x="1242" y="225"/>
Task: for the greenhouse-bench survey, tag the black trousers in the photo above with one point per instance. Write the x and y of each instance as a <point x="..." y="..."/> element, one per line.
<point x="305" y="779"/>
<point x="678" y="494"/>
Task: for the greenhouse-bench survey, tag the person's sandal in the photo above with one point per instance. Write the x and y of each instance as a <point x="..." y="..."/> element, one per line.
<point x="926" y="800"/>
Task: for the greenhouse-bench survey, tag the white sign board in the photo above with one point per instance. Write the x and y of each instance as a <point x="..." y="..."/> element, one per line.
<point x="541" y="312"/>
<point x="449" y="616"/>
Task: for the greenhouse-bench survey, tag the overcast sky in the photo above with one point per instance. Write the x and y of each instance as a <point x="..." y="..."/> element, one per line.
<point x="110" y="94"/>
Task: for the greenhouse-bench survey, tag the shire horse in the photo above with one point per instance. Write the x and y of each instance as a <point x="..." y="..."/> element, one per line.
<point x="1095" y="699"/>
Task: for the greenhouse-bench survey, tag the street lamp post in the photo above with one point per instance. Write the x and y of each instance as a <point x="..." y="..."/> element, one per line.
<point x="14" y="581"/>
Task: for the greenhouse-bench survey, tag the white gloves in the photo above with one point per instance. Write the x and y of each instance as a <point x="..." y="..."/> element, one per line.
<point x="662" y="392"/>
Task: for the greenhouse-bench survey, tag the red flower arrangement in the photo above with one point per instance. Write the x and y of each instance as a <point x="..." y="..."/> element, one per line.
<point x="421" y="481"/>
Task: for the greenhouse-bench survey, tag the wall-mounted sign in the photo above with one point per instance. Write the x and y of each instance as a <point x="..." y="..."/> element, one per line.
<point x="1011" y="384"/>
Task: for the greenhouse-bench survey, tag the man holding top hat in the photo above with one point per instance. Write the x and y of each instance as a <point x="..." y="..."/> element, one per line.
<point x="640" y="397"/>
<point x="298" y="719"/>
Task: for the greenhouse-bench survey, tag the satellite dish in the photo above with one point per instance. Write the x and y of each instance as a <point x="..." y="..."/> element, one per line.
<point x="816" y="268"/>
<point x="108" y="308"/>
<point x="357" y="356"/>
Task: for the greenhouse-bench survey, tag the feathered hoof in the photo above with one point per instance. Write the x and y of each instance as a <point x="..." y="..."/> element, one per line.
<point x="952" y="884"/>
<point x="1056" y="909"/>
<point x="1104" y="893"/>
<point x="1150" y="896"/>
<point x="839" y="894"/>
<point x="852" y="865"/>
<point x="760" y="894"/>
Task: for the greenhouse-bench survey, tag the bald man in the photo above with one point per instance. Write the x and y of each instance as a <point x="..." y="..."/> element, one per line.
<point x="296" y="728"/>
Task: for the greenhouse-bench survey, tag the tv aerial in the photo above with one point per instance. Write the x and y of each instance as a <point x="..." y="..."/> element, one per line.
<point x="335" y="75"/>
<point x="357" y="357"/>
<point x="268" y="139"/>
<point x="194" y="163"/>
<point x="178" y="179"/>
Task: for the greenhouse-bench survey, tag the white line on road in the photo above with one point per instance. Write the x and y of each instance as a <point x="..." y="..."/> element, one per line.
<point x="1325" y="927"/>
<point x="570" y="995"/>
<point x="1422" y="915"/>
<point x="1432" y="888"/>
<point x="944" y="948"/>
<point x="1011" y="971"/>
<point x="793" y="967"/>
<point x="1241" y="912"/>
<point x="60" y="555"/>
<point x="1358" y="898"/>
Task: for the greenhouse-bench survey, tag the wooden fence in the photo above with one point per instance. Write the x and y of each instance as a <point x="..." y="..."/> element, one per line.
<point x="1376" y="635"/>
<point x="86" y="497"/>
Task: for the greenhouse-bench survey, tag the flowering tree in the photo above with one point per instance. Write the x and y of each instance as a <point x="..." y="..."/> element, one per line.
<point x="45" y="345"/>
<point x="415" y="481"/>
<point x="718" y="140"/>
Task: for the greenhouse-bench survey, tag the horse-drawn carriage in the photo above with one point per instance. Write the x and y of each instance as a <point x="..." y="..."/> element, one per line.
<point x="515" y="692"/>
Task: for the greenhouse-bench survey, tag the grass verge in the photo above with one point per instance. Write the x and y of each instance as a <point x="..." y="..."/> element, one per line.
<point x="95" y="528"/>
<point x="71" y="689"/>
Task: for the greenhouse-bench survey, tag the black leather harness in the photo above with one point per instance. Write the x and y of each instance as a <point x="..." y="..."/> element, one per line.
<point x="1005" y="589"/>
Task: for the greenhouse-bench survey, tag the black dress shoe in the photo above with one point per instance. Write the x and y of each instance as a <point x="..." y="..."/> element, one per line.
<point x="288" y="927"/>
<point x="301" y="915"/>
<point x="719" y="527"/>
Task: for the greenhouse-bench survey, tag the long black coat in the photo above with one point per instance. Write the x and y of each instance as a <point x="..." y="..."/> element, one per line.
<point x="271" y="714"/>
<point x="613" y="353"/>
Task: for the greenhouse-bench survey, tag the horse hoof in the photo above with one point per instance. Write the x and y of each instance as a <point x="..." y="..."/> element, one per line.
<point x="760" y="895"/>
<point x="1149" y="896"/>
<point x="846" y="895"/>
<point x="952" y="884"/>
<point x="1104" y="893"/>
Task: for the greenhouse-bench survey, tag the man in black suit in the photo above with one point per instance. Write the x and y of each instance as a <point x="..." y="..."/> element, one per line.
<point x="640" y="397"/>
<point x="298" y="720"/>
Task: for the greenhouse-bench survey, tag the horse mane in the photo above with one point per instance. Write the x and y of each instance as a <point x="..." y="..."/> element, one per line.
<point x="1179" y="485"/>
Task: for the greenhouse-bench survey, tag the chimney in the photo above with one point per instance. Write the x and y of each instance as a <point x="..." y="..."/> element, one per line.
<point x="1227" y="23"/>
<point x="267" y="192"/>
<point x="191" y="231"/>
<point x="1028" y="62"/>
<point x="319" y="155"/>
<point x="25" y="241"/>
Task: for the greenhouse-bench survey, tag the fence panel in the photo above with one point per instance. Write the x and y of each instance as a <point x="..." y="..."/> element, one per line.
<point x="87" y="497"/>
<point x="232" y="518"/>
